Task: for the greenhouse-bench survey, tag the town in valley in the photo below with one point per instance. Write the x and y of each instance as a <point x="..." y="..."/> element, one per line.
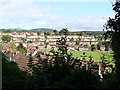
<point x="21" y="44"/>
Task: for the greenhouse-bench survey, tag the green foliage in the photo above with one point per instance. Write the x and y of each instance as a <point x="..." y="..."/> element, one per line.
<point x="62" y="56"/>
<point x="45" y="44"/>
<point x="29" y="41"/>
<point x="13" y="46"/>
<point x="62" y="45"/>
<point x="21" y="48"/>
<point x="107" y="61"/>
<point x="23" y="39"/>
<point x="79" y="79"/>
<point x="38" y="33"/>
<point x="36" y="47"/>
<point x="84" y="56"/>
<point x="64" y="31"/>
<point x="56" y="71"/>
<point x="90" y="58"/>
<point x="93" y="47"/>
<point x="99" y="45"/>
<point x="37" y="82"/>
<point x="55" y="32"/>
<point x="6" y="38"/>
<point x="107" y="45"/>
<point x="46" y="33"/>
<point x="12" y="77"/>
<point x="80" y="33"/>
<point x="77" y="41"/>
<point x="7" y="31"/>
<point x="113" y="29"/>
<point x="109" y="82"/>
<point x="104" y="59"/>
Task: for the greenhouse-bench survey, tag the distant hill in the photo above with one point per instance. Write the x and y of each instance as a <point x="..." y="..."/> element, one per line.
<point x="42" y="29"/>
<point x="94" y="33"/>
<point x="90" y="33"/>
<point x="24" y="30"/>
<point x="11" y="30"/>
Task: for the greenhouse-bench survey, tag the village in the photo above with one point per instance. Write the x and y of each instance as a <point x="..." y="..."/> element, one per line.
<point x="35" y="45"/>
<point x="32" y="40"/>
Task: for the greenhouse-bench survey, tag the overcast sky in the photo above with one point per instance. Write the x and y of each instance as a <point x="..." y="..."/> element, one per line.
<point x="77" y="15"/>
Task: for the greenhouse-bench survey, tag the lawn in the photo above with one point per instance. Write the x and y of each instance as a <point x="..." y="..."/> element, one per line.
<point x="96" y="55"/>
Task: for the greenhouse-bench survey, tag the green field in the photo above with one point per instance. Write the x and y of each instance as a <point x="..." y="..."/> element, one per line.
<point x="96" y="55"/>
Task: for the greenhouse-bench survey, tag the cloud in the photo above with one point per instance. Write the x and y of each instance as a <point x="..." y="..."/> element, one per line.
<point x="28" y="15"/>
<point x="21" y="13"/>
<point x="80" y="23"/>
<point x="55" y="0"/>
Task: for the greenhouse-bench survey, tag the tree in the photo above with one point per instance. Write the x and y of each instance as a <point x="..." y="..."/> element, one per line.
<point x="62" y="46"/>
<point x="21" y="48"/>
<point x="55" y="32"/>
<point x="45" y="42"/>
<point x="113" y="29"/>
<point x="61" y="60"/>
<point x="13" y="46"/>
<point x="12" y="76"/>
<point x="90" y="58"/>
<point x="107" y="45"/>
<point x="105" y="59"/>
<point x="93" y="47"/>
<point x="23" y="39"/>
<point x="79" y="78"/>
<point x="64" y="31"/>
<point x="80" y="33"/>
<point x="6" y="38"/>
<point x="38" y="33"/>
<point x="99" y="45"/>
<point x="55" y="69"/>
<point x="46" y="33"/>
<point x="84" y="56"/>
<point x="7" y="31"/>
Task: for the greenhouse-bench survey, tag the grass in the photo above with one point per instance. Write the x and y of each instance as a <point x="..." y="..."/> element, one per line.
<point x="96" y="55"/>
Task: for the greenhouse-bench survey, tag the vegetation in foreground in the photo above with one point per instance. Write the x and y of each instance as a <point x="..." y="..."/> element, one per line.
<point x="59" y="75"/>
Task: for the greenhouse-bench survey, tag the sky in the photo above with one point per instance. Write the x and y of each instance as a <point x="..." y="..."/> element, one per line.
<point x="77" y="15"/>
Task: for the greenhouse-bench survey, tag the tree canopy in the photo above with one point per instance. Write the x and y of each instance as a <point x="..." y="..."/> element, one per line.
<point x="113" y="30"/>
<point x="6" y="38"/>
<point x="64" y="31"/>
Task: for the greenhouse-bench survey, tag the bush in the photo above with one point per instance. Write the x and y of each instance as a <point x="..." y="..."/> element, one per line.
<point x="6" y="38"/>
<point x="79" y="79"/>
<point x="109" y="82"/>
<point x="21" y="48"/>
<point x="93" y="47"/>
<point x="12" y="77"/>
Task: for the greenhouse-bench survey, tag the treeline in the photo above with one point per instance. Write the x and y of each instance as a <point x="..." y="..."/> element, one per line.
<point x="92" y="33"/>
<point x="64" y="31"/>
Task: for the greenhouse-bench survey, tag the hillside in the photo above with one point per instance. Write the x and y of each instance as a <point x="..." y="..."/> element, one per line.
<point x="41" y="29"/>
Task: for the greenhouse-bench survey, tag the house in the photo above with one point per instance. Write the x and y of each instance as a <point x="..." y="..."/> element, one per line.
<point x="41" y="40"/>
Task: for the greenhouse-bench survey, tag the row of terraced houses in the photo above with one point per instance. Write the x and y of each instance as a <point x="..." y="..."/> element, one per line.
<point x="75" y="42"/>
